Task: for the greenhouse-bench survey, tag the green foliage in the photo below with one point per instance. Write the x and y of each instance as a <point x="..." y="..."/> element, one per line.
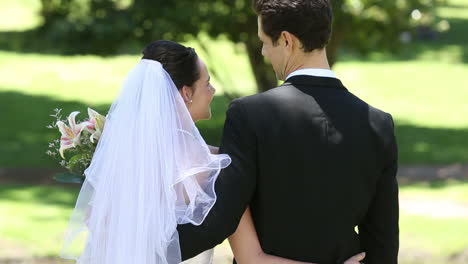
<point x="377" y="25"/>
<point x="85" y="26"/>
<point x="359" y="24"/>
<point x="110" y="26"/>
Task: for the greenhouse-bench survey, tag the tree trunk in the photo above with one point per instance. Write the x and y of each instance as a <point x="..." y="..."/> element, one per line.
<point x="263" y="72"/>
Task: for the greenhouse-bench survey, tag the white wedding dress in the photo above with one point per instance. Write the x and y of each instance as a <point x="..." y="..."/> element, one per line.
<point x="151" y="171"/>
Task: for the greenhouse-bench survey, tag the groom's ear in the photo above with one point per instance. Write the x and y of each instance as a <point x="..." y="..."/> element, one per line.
<point x="288" y="39"/>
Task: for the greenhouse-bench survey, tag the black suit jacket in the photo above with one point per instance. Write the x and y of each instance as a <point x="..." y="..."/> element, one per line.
<point x="313" y="161"/>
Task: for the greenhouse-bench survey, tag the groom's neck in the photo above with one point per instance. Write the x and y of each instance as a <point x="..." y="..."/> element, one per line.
<point x="316" y="59"/>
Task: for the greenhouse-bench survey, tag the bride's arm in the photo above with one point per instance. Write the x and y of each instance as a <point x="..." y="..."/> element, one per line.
<point x="213" y="149"/>
<point x="246" y="247"/>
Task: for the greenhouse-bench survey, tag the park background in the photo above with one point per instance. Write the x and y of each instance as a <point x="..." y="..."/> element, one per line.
<point x="407" y="57"/>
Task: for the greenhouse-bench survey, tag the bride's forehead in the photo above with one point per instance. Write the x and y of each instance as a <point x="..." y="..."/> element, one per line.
<point x="203" y="68"/>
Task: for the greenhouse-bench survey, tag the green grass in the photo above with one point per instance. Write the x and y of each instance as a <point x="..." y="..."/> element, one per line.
<point x="437" y="237"/>
<point x="89" y="79"/>
<point x="38" y="215"/>
<point x="456" y="191"/>
<point x="417" y="92"/>
<point x="19" y="15"/>
<point x="431" y="116"/>
<point x="96" y="80"/>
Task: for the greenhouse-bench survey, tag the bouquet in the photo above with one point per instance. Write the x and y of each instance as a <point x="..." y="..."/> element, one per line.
<point x="75" y="148"/>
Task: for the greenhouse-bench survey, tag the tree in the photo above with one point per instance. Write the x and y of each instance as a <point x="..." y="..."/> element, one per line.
<point x="359" y="25"/>
<point x="373" y="25"/>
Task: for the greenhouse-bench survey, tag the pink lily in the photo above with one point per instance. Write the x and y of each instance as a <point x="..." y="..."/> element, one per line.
<point x="70" y="134"/>
<point x="95" y="124"/>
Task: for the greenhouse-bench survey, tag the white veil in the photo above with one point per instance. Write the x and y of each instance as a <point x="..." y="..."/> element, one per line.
<point x="151" y="171"/>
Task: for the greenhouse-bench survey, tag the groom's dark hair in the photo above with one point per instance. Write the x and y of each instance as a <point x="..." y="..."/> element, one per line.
<point x="179" y="61"/>
<point x="309" y="20"/>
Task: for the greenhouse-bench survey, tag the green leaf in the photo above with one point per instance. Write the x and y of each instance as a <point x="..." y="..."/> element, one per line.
<point x="74" y="161"/>
<point x="67" y="177"/>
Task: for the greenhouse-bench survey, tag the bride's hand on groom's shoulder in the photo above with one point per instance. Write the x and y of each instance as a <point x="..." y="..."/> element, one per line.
<point x="356" y="259"/>
<point x="213" y="149"/>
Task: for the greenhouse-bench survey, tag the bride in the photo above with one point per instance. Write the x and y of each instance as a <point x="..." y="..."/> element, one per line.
<point x="152" y="169"/>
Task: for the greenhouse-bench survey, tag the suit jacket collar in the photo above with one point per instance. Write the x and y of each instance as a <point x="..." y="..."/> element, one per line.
<point x="314" y="81"/>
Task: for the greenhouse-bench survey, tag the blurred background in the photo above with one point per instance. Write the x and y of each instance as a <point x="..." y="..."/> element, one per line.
<point x="407" y="57"/>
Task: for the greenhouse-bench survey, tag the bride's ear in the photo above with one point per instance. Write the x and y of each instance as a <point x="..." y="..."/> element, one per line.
<point x="186" y="92"/>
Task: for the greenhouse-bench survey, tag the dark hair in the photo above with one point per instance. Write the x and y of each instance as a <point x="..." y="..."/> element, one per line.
<point x="309" y="20"/>
<point x="179" y="61"/>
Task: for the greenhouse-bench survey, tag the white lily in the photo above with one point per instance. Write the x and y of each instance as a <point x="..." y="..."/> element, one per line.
<point x="70" y="134"/>
<point x="95" y="124"/>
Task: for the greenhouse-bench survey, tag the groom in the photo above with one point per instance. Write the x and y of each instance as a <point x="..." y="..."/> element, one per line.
<point x="311" y="160"/>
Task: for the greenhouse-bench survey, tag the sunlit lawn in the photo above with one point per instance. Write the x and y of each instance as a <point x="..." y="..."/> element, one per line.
<point x="416" y="92"/>
<point x="34" y="217"/>
<point x="40" y="214"/>
<point x="439" y="237"/>
<point x="457" y="191"/>
<point x="37" y="216"/>
<point x="430" y="110"/>
<point x="19" y="15"/>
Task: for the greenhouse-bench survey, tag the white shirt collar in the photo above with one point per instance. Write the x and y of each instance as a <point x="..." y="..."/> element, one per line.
<point x="313" y="72"/>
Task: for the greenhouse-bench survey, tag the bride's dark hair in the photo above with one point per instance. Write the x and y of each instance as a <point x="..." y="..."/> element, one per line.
<point x="179" y="61"/>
